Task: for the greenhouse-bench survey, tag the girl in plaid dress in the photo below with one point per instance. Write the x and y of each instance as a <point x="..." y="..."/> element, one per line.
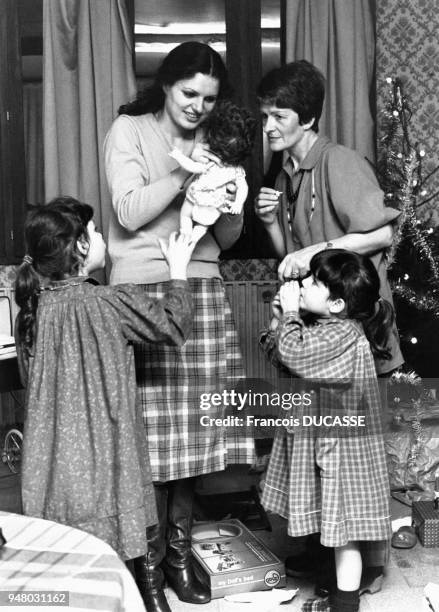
<point x="320" y="478"/>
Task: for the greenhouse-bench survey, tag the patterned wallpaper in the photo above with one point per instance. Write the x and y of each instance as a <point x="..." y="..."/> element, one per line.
<point x="408" y="47"/>
<point x="249" y="269"/>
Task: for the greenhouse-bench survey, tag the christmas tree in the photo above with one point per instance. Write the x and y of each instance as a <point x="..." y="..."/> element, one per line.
<point x="413" y="262"/>
<point x="413" y="267"/>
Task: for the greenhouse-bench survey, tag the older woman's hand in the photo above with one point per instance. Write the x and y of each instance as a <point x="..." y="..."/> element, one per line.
<point x="295" y="265"/>
<point x="267" y="204"/>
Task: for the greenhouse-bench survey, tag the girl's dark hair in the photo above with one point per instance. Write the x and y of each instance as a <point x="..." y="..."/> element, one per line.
<point x="353" y="278"/>
<point x="183" y="62"/>
<point x="51" y="233"/>
<point x="299" y="86"/>
<point x="230" y="132"/>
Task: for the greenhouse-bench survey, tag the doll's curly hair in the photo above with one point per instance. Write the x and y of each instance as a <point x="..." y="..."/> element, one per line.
<point x="230" y="132"/>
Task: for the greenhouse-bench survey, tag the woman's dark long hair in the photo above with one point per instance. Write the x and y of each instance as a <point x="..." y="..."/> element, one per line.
<point x="183" y="62"/>
<point x="353" y="278"/>
<point x="51" y="235"/>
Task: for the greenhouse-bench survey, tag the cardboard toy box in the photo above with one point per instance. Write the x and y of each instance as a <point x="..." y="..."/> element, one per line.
<point x="233" y="560"/>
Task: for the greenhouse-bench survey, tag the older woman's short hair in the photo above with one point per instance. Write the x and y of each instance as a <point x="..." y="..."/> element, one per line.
<point x="299" y="86"/>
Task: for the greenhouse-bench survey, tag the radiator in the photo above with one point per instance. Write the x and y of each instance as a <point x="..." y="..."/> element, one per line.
<point x="251" y="307"/>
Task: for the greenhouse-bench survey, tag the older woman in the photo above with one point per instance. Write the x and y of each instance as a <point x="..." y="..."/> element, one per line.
<point x="326" y="195"/>
<point x="148" y="188"/>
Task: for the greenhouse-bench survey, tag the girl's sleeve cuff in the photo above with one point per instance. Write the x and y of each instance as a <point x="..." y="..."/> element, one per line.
<point x="291" y="314"/>
<point x="178" y="283"/>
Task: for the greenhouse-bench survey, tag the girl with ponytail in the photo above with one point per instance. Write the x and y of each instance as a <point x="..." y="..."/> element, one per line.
<point x="85" y="460"/>
<point x="51" y="235"/>
<point x="332" y="478"/>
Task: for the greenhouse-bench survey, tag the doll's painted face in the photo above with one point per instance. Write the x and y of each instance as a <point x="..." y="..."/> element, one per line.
<point x="188" y="102"/>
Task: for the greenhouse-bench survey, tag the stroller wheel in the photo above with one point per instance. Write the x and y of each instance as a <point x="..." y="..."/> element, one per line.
<point x="12" y="450"/>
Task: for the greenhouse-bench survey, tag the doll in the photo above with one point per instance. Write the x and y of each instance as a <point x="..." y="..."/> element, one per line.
<point x="229" y="132"/>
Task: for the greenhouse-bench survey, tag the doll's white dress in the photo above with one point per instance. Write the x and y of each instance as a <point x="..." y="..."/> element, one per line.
<point x="207" y="192"/>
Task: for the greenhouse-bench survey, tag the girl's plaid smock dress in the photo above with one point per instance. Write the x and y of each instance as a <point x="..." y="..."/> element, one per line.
<point x="321" y="478"/>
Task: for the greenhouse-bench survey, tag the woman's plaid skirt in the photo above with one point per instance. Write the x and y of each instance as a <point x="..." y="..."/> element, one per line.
<point x="337" y="486"/>
<point x="171" y="381"/>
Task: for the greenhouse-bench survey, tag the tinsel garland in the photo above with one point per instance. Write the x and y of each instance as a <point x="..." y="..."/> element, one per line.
<point x="405" y="201"/>
<point x="424" y="302"/>
<point x="410" y="378"/>
<point x="418" y="435"/>
<point x="414" y="382"/>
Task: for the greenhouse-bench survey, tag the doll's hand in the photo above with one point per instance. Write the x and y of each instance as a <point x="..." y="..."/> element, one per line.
<point x="276" y="308"/>
<point x="290" y="296"/>
<point x="178" y="253"/>
<point x="204" y="155"/>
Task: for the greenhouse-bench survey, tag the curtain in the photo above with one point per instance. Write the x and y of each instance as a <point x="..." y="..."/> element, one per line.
<point x="33" y="141"/>
<point x="338" y="37"/>
<point x="87" y="75"/>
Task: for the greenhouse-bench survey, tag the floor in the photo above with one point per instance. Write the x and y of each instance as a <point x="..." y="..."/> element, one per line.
<point x="408" y="572"/>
